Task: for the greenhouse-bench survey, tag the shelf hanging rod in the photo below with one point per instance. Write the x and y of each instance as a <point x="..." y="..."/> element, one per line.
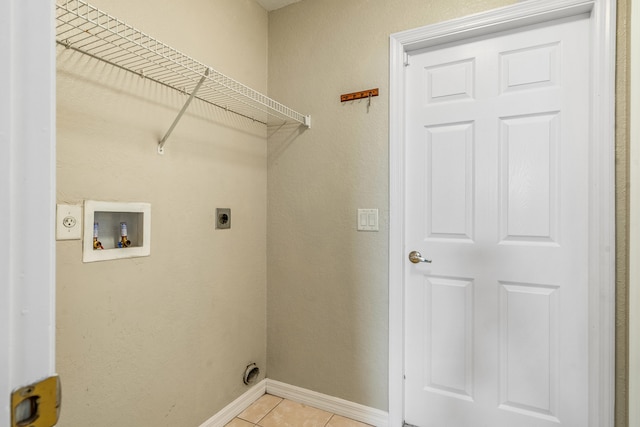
<point x="184" y="108"/>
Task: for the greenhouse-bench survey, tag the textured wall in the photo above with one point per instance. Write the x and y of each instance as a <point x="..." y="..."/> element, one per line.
<point x="634" y="222"/>
<point x="622" y="214"/>
<point x="164" y="340"/>
<point x="328" y="283"/>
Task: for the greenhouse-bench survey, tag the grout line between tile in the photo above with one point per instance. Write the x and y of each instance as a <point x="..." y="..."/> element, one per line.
<point x="272" y="409"/>
<point x="257" y="424"/>
<point x="329" y="420"/>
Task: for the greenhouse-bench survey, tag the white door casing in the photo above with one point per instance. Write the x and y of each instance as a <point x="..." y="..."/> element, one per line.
<point x="600" y="198"/>
<point x="27" y="194"/>
<point x="496" y="195"/>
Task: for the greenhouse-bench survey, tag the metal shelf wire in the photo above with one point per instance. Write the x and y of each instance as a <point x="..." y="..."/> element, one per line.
<point x="87" y="29"/>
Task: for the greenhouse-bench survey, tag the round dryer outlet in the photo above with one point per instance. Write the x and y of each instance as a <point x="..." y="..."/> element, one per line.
<point x="223" y="218"/>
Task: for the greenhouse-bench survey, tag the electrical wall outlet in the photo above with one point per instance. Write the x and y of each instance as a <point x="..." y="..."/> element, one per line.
<point x="69" y="222"/>
<point x="223" y="218"/>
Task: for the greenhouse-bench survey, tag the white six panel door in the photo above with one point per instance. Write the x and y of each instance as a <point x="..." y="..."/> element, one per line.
<point x="497" y="186"/>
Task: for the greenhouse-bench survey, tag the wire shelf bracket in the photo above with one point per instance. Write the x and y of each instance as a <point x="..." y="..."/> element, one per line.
<point x="179" y="116"/>
<point x="86" y="29"/>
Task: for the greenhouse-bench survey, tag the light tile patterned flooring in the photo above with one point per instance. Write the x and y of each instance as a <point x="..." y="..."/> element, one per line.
<point x="272" y="411"/>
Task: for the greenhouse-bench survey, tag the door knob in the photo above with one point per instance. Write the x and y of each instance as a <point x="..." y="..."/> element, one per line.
<point x="415" y="257"/>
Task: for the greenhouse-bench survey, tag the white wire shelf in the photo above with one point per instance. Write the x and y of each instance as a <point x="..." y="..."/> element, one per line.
<point x="87" y="29"/>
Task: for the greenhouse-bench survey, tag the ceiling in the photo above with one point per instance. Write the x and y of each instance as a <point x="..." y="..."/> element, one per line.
<point x="275" y="4"/>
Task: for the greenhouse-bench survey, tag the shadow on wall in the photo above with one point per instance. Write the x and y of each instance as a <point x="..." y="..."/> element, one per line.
<point x="280" y="138"/>
<point x="127" y="87"/>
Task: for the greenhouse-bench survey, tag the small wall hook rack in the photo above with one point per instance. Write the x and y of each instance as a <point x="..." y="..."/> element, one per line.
<point x="359" y="95"/>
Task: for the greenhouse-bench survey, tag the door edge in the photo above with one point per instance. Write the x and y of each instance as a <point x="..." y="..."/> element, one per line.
<point x="28" y="193"/>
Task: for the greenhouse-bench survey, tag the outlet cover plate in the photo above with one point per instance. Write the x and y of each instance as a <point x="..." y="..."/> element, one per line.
<point x="69" y="222"/>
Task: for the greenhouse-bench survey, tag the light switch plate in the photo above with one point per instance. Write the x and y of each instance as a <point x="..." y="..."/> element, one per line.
<point x="367" y="219"/>
<point x="69" y="222"/>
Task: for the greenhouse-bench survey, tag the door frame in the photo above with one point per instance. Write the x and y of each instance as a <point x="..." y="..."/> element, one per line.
<point x="601" y="186"/>
<point x="28" y="194"/>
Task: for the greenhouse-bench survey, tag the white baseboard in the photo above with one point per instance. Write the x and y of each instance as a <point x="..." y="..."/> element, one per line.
<point x="232" y="410"/>
<point x="335" y="405"/>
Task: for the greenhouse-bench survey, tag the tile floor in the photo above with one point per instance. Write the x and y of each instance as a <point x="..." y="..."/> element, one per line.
<point x="272" y="411"/>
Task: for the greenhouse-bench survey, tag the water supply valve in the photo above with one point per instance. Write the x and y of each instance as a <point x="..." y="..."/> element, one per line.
<point x="96" y="243"/>
<point x="124" y="241"/>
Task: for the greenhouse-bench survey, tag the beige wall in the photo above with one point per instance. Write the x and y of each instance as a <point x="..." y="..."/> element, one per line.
<point x="622" y="215"/>
<point x="634" y="277"/>
<point x="328" y="284"/>
<point x="331" y="279"/>
<point x="164" y="340"/>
